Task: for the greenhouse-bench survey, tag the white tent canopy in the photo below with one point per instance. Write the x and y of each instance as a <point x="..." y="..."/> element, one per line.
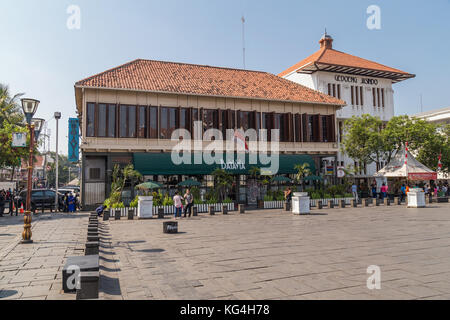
<point x="412" y="169"/>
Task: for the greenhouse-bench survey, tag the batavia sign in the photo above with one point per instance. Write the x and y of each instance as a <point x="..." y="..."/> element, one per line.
<point x="351" y="79"/>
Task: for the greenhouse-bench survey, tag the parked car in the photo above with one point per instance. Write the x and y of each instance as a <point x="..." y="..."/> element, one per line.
<point x="73" y="189"/>
<point x="43" y="197"/>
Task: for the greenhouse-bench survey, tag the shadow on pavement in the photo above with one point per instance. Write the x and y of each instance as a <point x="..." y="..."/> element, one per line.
<point x="7" y="293"/>
<point x="110" y="286"/>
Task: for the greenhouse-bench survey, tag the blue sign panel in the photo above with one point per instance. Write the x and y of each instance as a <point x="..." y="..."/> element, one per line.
<point x="74" y="140"/>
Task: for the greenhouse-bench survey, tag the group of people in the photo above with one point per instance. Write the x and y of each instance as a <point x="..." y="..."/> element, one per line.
<point x="5" y="196"/>
<point x="404" y="190"/>
<point x="71" y="202"/>
<point x="188" y="199"/>
<point x="8" y="198"/>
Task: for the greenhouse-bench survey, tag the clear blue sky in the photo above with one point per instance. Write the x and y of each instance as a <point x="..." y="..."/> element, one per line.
<point x="40" y="56"/>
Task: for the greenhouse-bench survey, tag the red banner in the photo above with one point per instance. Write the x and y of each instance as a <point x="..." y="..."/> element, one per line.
<point x="422" y="176"/>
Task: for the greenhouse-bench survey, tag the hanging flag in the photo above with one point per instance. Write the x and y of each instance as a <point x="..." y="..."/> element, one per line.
<point x="439" y="162"/>
<point x="74" y="140"/>
<point x="406" y="153"/>
<point x="240" y="138"/>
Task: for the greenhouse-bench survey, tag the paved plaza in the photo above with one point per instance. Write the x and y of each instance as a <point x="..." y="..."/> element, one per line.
<point x="33" y="271"/>
<point x="268" y="254"/>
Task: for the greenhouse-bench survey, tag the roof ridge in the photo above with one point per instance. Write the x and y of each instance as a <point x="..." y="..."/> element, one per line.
<point x="201" y="65"/>
<point x="188" y="78"/>
<point x="109" y="70"/>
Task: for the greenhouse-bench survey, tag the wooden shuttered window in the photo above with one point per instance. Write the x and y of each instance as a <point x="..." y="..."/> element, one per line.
<point x="317" y="128"/>
<point x="331" y="129"/>
<point x="305" y="130"/>
<point x="298" y="128"/>
<point x="321" y="133"/>
<point x="290" y="127"/>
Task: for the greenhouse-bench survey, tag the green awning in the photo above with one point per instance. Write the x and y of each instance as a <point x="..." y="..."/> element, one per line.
<point x="281" y="179"/>
<point x="162" y="164"/>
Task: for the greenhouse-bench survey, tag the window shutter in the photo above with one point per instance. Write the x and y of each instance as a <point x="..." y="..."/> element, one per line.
<point x="305" y="127"/>
<point x="333" y="129"/>
<point x="238" y="119"/>
<point x="96" y="120"/>
<point x="319" y="128"/>
<point x="290" y="126"/>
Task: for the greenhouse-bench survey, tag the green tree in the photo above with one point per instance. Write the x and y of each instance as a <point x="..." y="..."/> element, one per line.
<point x="303" y="171"/>
<point x="417" y="132"/>
<point x="10" y="109"/>
<point x="430" y="149"/>
<point x="11" y="121"/>
<point x="223" y="182"/>
<point x="363" y="139"/>
<point x="120" y="177"/>
<point x="63" y="170"/>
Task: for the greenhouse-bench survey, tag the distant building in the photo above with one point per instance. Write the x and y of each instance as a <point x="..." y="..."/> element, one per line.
<point x="365" y="86"/>
<point x="440" y="117"/>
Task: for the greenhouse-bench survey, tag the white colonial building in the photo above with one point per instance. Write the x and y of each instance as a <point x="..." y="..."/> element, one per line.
<point x="365" y="86"/>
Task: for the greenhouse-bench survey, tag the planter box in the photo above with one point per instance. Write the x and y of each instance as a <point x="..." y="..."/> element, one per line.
<point x="145" y="207"/>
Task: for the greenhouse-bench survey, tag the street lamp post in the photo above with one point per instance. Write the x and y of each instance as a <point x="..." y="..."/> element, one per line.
<point x="29" y="107"/>
<point x="57" y="117"/>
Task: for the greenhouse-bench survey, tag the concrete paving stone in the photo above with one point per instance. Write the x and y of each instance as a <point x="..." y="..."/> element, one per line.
<point x="261" y="255"/>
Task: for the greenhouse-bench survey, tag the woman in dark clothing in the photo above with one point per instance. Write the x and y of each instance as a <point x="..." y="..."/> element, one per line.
<point x="2" y="202"/>
<point x="66" y="202"/>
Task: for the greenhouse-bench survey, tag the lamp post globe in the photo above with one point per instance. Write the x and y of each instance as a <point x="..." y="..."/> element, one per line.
<point x="29" y="107"/>
<point x="38" y="125"/>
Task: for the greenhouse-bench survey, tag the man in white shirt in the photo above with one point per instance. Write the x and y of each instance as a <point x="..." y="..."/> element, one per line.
<point x="177" y="201"/>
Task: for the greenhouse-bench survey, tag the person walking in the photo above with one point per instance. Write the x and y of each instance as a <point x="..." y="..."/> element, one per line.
<point x="374" y="190"/>
<point x="382" y="191"/>
<point x="77" y="202"/>
<point x="18" y="201"/>
<point x="71" y="203"/>
<point x="66" y="202"/>
<point x="189" y="200"/>
<point x="177" y="201"/>
<point x="288" y="195"/>
<point x="355" y="191"/>
<point x="2" y="202"/>
<point x="11" y="203"/>
<point x="402" y="192"/>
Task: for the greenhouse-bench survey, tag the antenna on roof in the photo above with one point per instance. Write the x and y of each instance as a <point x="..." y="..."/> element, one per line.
<point x="325" y="30"/>
<point x="243" y="39"/>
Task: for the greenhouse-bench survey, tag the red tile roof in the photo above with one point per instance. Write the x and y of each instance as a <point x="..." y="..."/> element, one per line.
<point x="328" y="56"/>
<point x="182" y="78"/>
